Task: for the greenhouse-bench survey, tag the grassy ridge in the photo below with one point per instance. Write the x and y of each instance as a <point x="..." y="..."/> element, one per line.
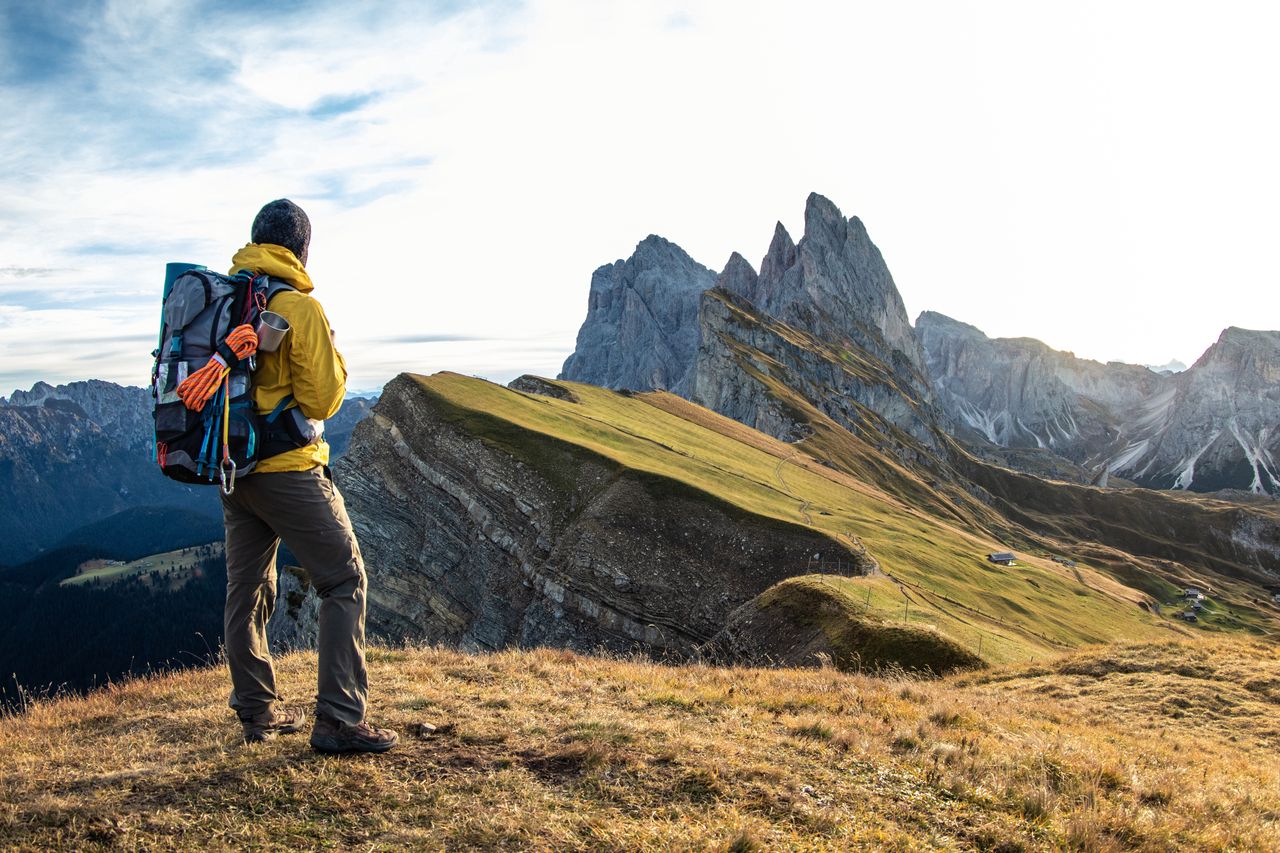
<point x="936" y="573"/>
<point x="173" y="567"/>
<point x="803" y="618"/>
<point x="1153" y="747"/>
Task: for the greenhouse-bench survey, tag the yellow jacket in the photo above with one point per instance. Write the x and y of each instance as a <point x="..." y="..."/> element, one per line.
<point x="307" y="365"/>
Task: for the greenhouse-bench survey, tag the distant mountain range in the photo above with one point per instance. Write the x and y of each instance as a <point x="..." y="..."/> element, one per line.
<point x="76" y="454"/>
<point x="1215" y="425"/>
<point x="829" y="317"/>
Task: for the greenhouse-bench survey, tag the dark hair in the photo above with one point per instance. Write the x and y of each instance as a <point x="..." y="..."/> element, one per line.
<point x="285" y="224"/>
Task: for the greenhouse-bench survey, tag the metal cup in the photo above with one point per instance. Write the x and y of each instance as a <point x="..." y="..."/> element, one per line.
<point x="271" y="331"/>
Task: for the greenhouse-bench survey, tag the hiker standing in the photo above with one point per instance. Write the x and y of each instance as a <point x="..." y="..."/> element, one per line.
<point x="290" y="494"/>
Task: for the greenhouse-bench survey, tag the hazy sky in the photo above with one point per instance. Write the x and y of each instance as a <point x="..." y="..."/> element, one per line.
<point x="1103" y="176"/>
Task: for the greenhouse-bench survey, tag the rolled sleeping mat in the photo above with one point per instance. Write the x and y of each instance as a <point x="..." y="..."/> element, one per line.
<point x="174" y="269"/>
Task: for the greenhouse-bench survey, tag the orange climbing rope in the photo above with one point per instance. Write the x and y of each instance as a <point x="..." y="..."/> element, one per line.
<point x="199" y="387"/>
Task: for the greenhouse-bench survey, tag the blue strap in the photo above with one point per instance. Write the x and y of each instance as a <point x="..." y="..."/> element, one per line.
<point x="242" y="411"/>
<point x="280" y="407"/>
<point x="253" y="435"/>
<point x="204" y="447"/>
<point x="213" y="413"/>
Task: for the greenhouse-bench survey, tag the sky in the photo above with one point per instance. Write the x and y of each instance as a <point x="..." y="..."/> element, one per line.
<point x="1102" y="176"/>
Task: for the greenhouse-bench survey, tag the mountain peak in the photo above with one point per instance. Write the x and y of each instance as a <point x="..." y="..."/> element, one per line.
<point x="781" y="255"/>
<point x="1237" y="345"/>
<point x="641" y="327"/>
<point x="739" y="277"/>
<point x="655" y="246"/>
<point x="934" y="320"/>
<point x="38" y="392"/>
<point x="1235" y="342"/>
<point x="819" y="207"/>
<point x="1237" y="335"/>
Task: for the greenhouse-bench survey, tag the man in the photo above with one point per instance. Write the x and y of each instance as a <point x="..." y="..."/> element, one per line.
<point x="291" y="494"/>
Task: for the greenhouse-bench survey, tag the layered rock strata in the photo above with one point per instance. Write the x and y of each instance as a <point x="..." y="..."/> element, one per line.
<point x="485" y="536"/>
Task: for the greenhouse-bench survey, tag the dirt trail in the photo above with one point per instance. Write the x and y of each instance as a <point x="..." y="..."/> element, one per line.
<point x="804" y="505"/>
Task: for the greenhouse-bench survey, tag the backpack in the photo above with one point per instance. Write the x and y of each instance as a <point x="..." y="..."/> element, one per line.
<point x="228" y="437"/>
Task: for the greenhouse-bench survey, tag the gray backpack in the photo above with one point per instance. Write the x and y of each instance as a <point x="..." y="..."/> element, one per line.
<point x="228" y="436"/>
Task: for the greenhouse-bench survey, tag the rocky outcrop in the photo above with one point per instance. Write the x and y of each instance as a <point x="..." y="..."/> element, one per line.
<point x="1018" y="392"/>
<point x="1215" y="425"/>
<point x="807" y="622"/>
<point x="1210" y="427"/>
<point x="750" y="364"/>
<point x="529" y="384"/>
<point x="641" y="326"/>
<point x="522" y="539"/>
<point x="835" y="285"/>
<point x="823" y="317"/>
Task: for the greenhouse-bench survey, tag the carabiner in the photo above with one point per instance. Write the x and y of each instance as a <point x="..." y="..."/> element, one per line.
<point x="228" y="484"/>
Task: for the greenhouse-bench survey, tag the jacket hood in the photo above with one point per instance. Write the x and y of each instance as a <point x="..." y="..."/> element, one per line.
<point x="270" y="259"/>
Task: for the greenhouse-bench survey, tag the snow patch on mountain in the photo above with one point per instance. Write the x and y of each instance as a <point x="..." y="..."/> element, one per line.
<point x="1204" y="428"/>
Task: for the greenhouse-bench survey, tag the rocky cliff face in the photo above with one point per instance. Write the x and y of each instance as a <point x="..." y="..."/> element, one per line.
<point x="1215" y="425"/>
<point x="834" y="285"/>
<point x="338" y="429"/>
<point x="1017" y="392"/>
<point x="641" y="326"/>
<point x="750" y="364"/>
<point x="821" y="317"/>
<point x="485" y="544"/>
<point x="1207" y="428"/>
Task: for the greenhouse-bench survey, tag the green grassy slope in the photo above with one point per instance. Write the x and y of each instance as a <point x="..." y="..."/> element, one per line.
<point x="173" y="567"/>
<point x="935" y="572"/>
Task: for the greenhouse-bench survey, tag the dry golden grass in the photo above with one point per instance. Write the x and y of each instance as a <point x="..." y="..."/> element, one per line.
<point x="1149" y="747"/>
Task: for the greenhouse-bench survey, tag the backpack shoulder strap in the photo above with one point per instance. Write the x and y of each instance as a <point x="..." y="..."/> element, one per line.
<point x="274" y="286"/>
<point x="285" y="402"/>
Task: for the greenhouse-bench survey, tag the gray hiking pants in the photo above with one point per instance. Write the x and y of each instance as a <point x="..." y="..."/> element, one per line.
<point x="306" y="510"/>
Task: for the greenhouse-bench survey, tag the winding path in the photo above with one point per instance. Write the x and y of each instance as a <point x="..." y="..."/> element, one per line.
<point x="777" y="472"/>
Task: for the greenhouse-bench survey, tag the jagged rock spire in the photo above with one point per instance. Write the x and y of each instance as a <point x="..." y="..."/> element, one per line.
<point x="641" y="329"/>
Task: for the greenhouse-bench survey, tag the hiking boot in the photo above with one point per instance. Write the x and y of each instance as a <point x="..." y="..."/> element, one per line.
<point x="329" y="735"/>
<point x="268" y="724"/>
